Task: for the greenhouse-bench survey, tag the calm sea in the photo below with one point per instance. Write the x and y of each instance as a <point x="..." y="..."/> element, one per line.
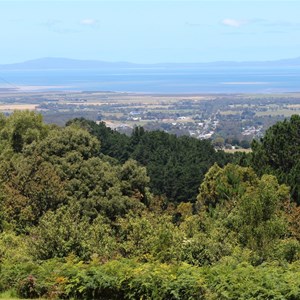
<point x="159" y="80"/>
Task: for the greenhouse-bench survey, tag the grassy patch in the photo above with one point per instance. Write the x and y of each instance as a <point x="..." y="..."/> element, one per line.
<point x="11" y="295"/>
<point x="238" y="150"/>
<point x="277" y="112"/>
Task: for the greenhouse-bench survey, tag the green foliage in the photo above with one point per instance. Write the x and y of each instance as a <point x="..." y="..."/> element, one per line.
<point x="50" y="240"/>
<point x="113" y="143"/>
<point x="78" y="224"/>
<point x="175" y="165"/>
<point x="206" y="240"/>
<point x="74" y="235"/>
<point x="61" y="143"/>
<point x="124" y="279"/>
<point x="134" y="180"/>
<point x="129" y="279"/>
<point x="234" y="280"/>
<point x="259" y="219"/>
<point x="278" y="153"/>
<point x="225" y="184"/>
<point x="149" y="237"/>
<point x="244" y="206"/>
<point x="15" y="260"/>
<point x="285" y="250"/>
<point x="30" y="187"/>
<point x="20" y="129"/>
<point x="61" y="167"/>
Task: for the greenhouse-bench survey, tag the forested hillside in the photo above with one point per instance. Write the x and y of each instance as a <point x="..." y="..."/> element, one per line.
<point x="175" y="165"/>
<point x="88" y="213"/>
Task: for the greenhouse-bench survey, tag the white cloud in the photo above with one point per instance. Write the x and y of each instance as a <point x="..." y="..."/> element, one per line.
<point x="88" y="22"/>
<point x="234" y="22"/>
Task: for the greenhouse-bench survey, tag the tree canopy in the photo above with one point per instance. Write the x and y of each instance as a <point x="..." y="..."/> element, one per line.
<point x="174" y="164"/>
<point x="88" y="213"/>
<point x="278" y="153"/>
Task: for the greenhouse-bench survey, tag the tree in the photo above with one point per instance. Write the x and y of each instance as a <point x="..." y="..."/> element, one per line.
<point x="249" y="207"/>
<point x="224" y="184"/>
<point x="66" y="231"/>
<point x="20" y="129"/>
<point x="62" y="142"/>
<point x="134" y="180"/>
<point x="218" y="142"/>
<point x="113" y="143"/>
<point x="174" y="164"/>
<point x="30" y="186"/>
<point x="260" y="219"/>
<point x="278" y="153"/>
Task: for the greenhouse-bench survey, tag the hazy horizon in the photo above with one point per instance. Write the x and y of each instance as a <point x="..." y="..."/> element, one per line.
<point x="145" y="63"/>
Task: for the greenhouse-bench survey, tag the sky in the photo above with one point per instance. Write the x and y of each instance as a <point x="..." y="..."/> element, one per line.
<point x="150" y="31"/>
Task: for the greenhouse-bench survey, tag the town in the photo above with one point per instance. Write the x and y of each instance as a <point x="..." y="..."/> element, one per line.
<point x="229" y="120"/>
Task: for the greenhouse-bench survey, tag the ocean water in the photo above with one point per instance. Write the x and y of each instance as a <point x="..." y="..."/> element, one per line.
<point x="158" y="80"/>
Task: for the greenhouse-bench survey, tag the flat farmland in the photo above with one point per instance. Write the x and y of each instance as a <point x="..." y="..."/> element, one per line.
<point x="229" y="116"/>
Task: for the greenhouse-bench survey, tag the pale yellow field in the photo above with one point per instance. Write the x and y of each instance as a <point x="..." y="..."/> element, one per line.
<point x="6" y="107"/>
<point x="284" y="112"/>
<point x="238" y="150"/>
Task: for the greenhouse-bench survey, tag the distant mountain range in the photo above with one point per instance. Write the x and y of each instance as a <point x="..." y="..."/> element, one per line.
<point x="72" y="64"/>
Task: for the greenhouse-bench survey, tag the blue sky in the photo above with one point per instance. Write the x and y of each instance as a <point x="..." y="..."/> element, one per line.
<point x="150" y="31"/>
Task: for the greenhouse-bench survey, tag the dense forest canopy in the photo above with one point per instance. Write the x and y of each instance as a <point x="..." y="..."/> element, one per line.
<point x="278" y="153"/>
<point x="89" y="213"/>
<point x="175" y="165"/>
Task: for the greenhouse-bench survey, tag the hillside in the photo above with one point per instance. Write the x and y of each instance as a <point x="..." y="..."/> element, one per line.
<point x="70" y="64"/>
<point x="88" y="213"/>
